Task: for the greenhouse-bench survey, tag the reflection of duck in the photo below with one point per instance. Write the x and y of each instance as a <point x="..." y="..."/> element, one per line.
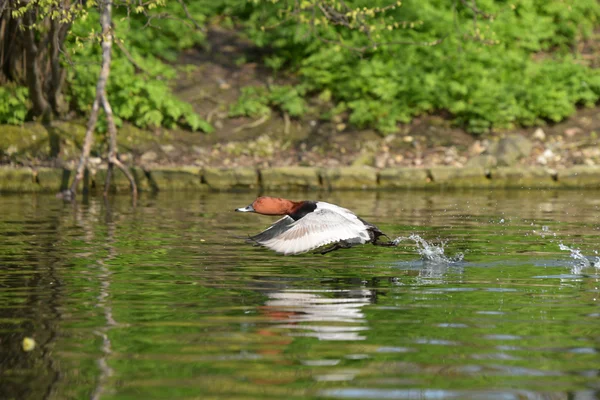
<point x="308" y="225"/>
<point x="298" y="310"/>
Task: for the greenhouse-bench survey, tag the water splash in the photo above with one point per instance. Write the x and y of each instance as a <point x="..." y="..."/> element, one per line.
<point x="581" y="261"/>
<point x="431" y="252"/>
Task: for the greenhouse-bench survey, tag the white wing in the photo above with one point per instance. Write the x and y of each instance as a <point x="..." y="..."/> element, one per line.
<point x="323" y="226"/>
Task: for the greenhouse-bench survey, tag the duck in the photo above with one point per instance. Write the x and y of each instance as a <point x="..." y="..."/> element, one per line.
<point x="309" y="225"/>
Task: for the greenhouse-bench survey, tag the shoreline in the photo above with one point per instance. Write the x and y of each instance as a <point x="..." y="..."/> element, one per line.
<point x="30" y="180"/>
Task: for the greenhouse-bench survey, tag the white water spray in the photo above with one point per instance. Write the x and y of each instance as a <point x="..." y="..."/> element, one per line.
<point x="430" y="252"/>
<point x="581" y="261"/>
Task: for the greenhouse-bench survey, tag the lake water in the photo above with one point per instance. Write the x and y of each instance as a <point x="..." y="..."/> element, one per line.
<point x="166" y="300"/>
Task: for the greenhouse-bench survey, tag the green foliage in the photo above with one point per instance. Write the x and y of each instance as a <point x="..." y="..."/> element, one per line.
<point x="165" y="37"/>
<point x="256" y="101"/>
<point x="14" y="104"/>
<point x="253" y="102"/>
<point x="142" y="97"/>
<point x="288" y="99"/>
<point x="514" y="67"/>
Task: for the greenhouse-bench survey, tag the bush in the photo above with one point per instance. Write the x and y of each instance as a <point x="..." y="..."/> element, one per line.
<point x="257" y="101"/>
<point x="514" y="68"/>
<point x="14" y="104"/>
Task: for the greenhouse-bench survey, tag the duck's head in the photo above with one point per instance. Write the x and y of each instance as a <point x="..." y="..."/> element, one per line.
<point x="270" y="206"/>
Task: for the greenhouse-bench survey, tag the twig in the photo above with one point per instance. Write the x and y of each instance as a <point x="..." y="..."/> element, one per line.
<point x="477" y="11"/>
<point x="211" y="113"/>
<point x="253" y="124"/>
<point x="286" y="123"/>
<point x="188" y="15"/>
<point x="138" y="68"/>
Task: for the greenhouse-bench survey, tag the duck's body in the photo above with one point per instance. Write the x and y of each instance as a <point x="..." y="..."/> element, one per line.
<point x="308" y="225"/>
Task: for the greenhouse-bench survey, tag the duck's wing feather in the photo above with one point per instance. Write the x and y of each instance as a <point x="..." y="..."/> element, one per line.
<point x="280" y="226"/>
<point x="316" y="229"/>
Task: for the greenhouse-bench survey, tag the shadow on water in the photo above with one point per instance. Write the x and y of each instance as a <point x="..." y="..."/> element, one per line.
<point x="486" y="292"/>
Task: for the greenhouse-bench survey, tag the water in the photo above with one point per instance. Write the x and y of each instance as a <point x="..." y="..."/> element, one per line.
<point x="486" y="296"/>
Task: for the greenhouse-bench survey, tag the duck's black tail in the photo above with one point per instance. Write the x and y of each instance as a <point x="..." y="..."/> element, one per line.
<point x="377" y="235"/>
<point x="389" y="243"/>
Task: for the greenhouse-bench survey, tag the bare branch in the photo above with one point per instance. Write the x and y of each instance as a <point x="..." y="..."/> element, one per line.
<point x="69" y="194"/>
<point x="107" y="40"/>
<point x="102" y="100"/>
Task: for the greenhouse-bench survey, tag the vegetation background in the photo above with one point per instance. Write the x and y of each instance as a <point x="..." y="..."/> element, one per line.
<point x="484" y="65"/>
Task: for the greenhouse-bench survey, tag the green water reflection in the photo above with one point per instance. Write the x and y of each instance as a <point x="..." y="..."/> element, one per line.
<point x="165" y="300"/>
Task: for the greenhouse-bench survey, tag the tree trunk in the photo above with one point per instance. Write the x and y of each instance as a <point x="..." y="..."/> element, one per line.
<point x="41" y="107"/>
<point x="30" y="54"/>
<point x="54" y="90"/>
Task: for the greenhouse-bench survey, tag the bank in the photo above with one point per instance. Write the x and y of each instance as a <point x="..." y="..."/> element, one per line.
<point x="25" y="179"/>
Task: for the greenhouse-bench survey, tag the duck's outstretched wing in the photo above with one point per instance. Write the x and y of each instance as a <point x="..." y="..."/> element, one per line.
<point x="316" y="229"/>
<point x="274" y="230"/>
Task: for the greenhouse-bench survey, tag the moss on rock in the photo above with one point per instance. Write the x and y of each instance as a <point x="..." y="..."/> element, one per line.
<point x="402" y="178"/>
<point x="231" y="178"/>
<point x="290" y="178"/>
<point x="118" y="182"/>
<point x="53" y="179"/>
<point x="522" y="178"/>
<point x="17" y="180"/>
<point x="460" y="178"/>
<point x="30" y="139"/>
<point x="176" y="178"/>
<point x="349" y="178"/>
<point x="580" y="177"/>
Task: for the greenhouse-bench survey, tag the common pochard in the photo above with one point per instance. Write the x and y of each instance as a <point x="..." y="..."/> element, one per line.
<point x="308" y="225"/>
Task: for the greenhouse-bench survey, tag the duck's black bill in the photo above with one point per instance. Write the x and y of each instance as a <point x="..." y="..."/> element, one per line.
<point x="245" y="209"/>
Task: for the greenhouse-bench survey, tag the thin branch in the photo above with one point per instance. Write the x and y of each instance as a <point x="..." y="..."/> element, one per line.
<point x="127" y="54"/>
<point x="473" y="7"/>
<point x="148" y="23"/>
<point x="343" y="18"/>
<point x="188" y="15"/>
